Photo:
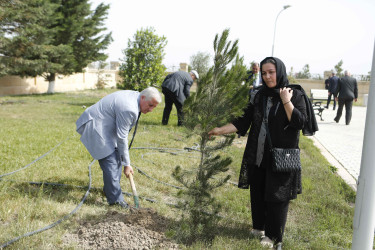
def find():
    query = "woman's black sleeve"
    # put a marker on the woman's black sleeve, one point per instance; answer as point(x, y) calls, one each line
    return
point(299, 114)
point(243, 122)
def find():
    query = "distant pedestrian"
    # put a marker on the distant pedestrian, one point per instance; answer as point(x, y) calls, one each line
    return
point(326, 83)
point(347, 90)
point(176, 88)
point(333, 81)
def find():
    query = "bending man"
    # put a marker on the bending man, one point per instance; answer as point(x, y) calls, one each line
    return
point(176, 88)
point(104, 129)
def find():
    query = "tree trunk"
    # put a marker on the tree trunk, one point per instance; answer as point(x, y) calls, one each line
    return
point(51, 84)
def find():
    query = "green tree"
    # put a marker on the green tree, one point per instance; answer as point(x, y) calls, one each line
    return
point(220, 96)
point(305, 73)
point(338, 68)
point(51, 37)
point(25, 40)
point(200, 62)
point(142, 65)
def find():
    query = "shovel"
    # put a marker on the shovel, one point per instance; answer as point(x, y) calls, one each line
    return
point(135, 195)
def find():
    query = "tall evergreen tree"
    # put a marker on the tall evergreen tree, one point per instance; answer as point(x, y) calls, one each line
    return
point(219, 98)
point(25, 40)
point(142, 65)
point(51, 37)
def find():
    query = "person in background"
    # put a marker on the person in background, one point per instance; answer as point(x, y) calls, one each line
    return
point(326, 83)
point(254, 77)
point(333, 81)
point(176, 88)
point(289, 110)
point(104, 128)
point(346, 92)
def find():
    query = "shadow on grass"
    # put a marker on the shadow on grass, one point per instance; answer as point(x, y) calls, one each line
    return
point(59, 192)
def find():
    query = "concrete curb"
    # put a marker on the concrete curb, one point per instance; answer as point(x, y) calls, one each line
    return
point(341, 171)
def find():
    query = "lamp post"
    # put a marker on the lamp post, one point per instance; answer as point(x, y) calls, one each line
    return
point(274, 31)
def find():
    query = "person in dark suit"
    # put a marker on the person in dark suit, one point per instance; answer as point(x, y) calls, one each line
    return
point(333, 81)
point(347, 90)
point(326, 83)
point(176, 88)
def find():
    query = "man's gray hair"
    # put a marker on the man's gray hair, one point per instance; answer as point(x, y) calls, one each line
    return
point(151, 93)
point(347, 73)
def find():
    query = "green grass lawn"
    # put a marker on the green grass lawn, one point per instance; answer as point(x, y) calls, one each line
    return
point(320, 218)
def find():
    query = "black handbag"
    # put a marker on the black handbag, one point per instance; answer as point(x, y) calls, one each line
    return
point(283, 159)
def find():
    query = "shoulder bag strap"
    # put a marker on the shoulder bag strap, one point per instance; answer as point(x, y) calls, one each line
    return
point(265, 120)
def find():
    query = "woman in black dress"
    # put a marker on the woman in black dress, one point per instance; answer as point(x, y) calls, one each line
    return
point(289, 111)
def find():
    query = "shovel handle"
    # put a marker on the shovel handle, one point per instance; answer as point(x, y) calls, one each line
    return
point(132, 185)
point(135, 195)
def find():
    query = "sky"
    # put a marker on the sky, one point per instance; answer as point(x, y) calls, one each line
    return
point(315, 32)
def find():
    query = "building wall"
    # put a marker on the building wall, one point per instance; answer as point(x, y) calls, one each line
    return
point(14, 85)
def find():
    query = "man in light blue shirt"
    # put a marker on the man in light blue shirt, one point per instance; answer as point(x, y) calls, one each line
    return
point(104, 129)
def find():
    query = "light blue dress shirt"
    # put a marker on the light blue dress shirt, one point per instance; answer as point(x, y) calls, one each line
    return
point(106, 124)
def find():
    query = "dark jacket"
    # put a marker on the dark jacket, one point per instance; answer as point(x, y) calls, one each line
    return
point(333, 81)
point(347, 88)
point(179, 83)
point(326, 83)
point(284, 134)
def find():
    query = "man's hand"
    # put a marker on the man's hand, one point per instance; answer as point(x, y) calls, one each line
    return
point(128, 170)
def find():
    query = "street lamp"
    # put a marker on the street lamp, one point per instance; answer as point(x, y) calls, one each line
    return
point(274, 31)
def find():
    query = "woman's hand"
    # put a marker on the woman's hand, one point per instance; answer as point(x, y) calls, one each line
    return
point(226, 129)
point(286, 94)
point(215, 131)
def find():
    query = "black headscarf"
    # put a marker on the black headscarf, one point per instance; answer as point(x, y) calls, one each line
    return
point(310, 126)
point(281, 77)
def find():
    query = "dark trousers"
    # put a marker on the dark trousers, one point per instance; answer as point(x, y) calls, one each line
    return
point(170, 99)
point(268, 216)
point(112, 170)
point(329, 100)
point(348, 110)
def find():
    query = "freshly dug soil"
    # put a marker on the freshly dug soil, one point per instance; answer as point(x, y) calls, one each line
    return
point(135, 229)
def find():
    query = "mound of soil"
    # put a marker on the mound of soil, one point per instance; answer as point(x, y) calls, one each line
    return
point(138, 229)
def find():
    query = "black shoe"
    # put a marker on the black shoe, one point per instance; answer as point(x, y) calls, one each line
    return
point(326, 107)
point(336, 120)
point(333, 108)
point(122, 204)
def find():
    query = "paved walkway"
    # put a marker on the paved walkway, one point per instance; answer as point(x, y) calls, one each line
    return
point(342, 144)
